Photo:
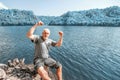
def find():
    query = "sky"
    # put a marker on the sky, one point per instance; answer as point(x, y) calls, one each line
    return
point(57, 7)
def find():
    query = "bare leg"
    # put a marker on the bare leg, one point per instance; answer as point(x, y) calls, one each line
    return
point(43, 73)
point(59, 73)
point(46, 68)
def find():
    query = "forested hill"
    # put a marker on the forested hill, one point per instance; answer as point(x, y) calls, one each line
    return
point(94, 17)
point(16, 17)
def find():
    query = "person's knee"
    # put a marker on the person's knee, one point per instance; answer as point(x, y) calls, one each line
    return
point(40, 69)
point(43, 73)
point(58, 65)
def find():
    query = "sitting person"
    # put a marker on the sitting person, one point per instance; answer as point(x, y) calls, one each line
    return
point(41, 56)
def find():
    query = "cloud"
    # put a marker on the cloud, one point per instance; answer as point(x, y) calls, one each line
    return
point(2, 6)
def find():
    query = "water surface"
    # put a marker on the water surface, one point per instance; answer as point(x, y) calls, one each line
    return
point(88, 53)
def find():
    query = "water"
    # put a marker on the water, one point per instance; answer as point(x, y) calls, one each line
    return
point(88, 53)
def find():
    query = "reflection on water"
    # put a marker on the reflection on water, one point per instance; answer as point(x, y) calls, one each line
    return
point(88, 53)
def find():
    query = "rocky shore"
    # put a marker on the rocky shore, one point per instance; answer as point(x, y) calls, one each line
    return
point(17, 70)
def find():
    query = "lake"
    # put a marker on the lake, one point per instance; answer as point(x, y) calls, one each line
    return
point(87, 53)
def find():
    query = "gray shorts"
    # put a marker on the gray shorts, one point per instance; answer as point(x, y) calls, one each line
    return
point(46, 62)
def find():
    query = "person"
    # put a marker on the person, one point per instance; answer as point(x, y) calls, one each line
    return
point(42, 47)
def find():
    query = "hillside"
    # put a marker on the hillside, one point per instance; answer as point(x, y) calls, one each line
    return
point(16, 17)
point(95, 17)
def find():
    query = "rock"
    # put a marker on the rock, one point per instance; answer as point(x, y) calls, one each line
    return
point(18, 70)
point(9, 70)
point(2, 74)
point(52, 75)
point(10, 64)
point(17, 67)
point(37, 77)
point(3, 66)
point(16, 61)
point(18, 74)
point(22, 61)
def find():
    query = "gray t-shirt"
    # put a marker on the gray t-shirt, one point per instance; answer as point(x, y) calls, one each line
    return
point(42, 47)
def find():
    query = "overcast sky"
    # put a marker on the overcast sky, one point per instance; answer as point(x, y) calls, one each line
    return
point(58, 7)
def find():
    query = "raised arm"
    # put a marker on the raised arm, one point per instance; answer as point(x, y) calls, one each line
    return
point(59, 43)
point(32, 29)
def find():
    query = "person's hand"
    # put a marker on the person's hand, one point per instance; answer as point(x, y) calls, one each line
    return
point(61, 33)
point(40, 23)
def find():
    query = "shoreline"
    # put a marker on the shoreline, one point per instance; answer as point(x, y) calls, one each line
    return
point(17, 70)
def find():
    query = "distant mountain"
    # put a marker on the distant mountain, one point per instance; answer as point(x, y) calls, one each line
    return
point(46, 19)
point(10, 17)
point(2, 6)
point(16, 17)
point(94, 17)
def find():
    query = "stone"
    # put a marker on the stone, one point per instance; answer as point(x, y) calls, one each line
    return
point(18, 70)
point(3, 66)
point(16, 61)
point(2, 74)
point(10, 64)
point(22, 61)
point(9, 70)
